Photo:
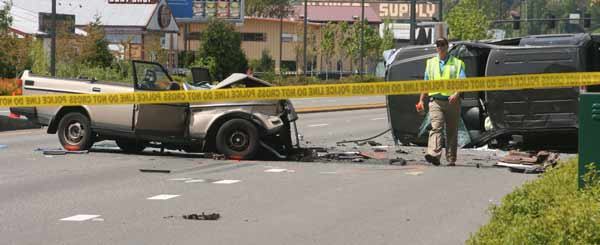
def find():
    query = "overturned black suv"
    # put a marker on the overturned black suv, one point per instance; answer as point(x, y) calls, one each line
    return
point(501, 116)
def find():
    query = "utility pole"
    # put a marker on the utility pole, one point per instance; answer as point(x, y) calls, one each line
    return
point(280, 41)
point(413, 20)
point(305, 33)
point(362, 36)
point(53, 40)
point(441, 14)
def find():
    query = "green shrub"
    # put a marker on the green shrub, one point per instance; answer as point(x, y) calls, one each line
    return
point(118, 72)
point(549, 210)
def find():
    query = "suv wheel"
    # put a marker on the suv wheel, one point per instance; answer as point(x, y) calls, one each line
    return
point(130, 145)
point(237, 139)
point(74, 132)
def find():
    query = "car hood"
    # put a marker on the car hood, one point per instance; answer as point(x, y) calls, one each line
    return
point(242, 79)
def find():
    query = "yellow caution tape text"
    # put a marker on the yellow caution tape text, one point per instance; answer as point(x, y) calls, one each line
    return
point(311, 91)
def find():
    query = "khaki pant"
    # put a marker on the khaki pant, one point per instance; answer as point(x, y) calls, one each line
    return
point(443, 113)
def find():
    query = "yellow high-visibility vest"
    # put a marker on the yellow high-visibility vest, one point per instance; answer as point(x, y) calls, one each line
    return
point(452, 70)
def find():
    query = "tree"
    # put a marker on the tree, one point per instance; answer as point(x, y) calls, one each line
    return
point(221, 42)
point(345, 41)
point(268, 8)
point(264, 64)
point(94, 47)
point(388, 36)
point(5, 17)
point(328, 46)
point(467, 21)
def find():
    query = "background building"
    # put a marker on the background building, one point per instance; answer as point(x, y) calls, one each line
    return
point(135, 29)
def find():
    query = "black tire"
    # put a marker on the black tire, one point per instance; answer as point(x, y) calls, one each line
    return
point(130, 145)
point(237, 139)
point(75, 133)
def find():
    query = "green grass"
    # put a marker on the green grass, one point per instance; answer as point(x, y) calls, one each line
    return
point(548, 210)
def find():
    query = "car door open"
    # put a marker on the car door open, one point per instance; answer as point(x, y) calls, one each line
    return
point(166, 122)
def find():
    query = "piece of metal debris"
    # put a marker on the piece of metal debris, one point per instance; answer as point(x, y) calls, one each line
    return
point(218, 157)
point(163, 171)
point(398, 161)
point(400, 151)
point(382, 148)
point(62, 152)
point(213, 216)
point(530, 162)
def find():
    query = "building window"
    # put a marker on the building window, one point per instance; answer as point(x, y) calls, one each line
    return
point(194, 36)
point(289, 37)
point(288, 65)
point(254, 37)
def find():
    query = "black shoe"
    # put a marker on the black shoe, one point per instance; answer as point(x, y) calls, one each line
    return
point(433, 160)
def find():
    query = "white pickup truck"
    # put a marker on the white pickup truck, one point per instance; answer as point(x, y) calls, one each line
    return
point(235, 129)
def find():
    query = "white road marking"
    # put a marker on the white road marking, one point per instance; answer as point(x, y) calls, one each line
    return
point(318, 125)
point(279, 170)
point(195, 181)
point(180, 179)
point(98, 219)
point(417, 173)
point(81, 217)
point(227, 181)
point(379, 118)
point(162, 197)
point(328, 172)
point(4, 111)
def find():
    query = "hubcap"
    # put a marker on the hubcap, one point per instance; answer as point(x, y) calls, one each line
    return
point(74, 133)
point(238, 140)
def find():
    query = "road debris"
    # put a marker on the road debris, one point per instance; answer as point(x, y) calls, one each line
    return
point(373, 143)
point(529, 162)
point(213, 216)
point(57, 152)
point(400, 151)
point(164, 171)
point(398, 161)
point(3, 147)
point(382, 148)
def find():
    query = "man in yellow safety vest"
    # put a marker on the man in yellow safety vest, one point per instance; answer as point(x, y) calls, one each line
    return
point(444, 106)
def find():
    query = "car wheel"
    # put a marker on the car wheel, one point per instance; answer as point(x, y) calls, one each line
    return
point(237, 139)
point(131, 146)
point(74, 132)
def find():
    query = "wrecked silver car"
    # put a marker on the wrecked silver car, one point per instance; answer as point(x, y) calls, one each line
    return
point(239, 130)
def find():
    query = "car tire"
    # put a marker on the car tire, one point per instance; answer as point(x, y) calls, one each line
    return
point(130, 145)
point(75, 132)
point(237, 139)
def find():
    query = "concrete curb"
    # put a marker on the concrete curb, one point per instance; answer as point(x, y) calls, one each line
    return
point(306, 110)
point(9, 124)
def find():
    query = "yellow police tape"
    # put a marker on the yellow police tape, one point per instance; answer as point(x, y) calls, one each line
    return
point(312, 91)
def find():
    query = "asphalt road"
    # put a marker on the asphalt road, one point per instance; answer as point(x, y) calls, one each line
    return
point(291, 203)
point(337, 101)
